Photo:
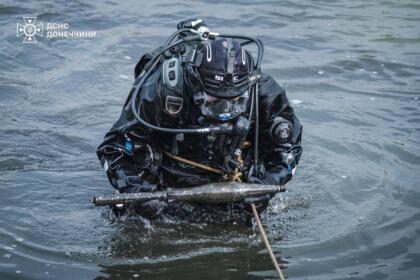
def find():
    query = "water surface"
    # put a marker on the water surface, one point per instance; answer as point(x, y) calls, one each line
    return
point(352, 71)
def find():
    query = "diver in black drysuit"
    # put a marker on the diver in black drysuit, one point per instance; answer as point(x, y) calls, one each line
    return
point(137, 158)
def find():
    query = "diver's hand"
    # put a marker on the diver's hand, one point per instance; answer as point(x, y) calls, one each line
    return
point(150, 208)
point(256, 180)
point(257, 199)
point(261, 199)
point(260, 202)
point(135, 184)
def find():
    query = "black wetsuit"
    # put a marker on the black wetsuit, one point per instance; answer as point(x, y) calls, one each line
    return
point(136, 159)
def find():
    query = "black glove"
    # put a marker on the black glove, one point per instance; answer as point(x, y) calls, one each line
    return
point(150, 208)
point(260, 202)
point(135, 184)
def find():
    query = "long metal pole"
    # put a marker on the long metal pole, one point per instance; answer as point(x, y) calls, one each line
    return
point(266, 243)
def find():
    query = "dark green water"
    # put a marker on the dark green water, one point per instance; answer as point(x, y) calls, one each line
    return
point(352, 71)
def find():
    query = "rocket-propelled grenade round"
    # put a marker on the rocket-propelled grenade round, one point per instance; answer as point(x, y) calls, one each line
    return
point(209, 193)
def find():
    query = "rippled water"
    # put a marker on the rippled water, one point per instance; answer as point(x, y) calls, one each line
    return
point(352, 71)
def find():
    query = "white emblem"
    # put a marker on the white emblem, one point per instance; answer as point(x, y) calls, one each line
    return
point(218, 78)
point(30, 29)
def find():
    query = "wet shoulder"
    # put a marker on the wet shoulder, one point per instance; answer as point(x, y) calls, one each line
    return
point(268, 86)
point(272, 97)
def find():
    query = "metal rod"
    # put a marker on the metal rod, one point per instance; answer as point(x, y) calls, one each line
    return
point(266, 243)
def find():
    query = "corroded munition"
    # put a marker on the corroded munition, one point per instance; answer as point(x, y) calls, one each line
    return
point(210, 193)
